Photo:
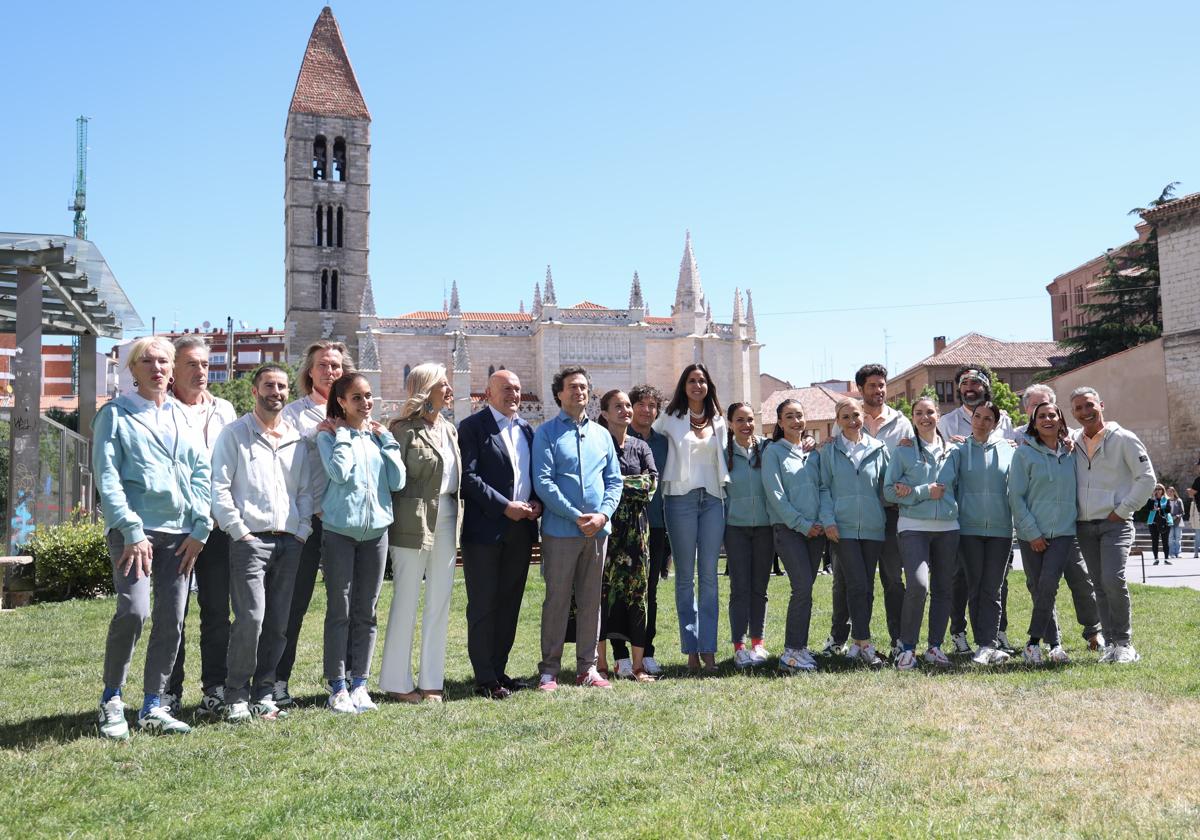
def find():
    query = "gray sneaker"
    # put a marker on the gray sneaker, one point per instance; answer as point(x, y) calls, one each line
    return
point(281, 697)
point(961, 645)
point(833, 648)
point(1125, 655)
point(212, 704)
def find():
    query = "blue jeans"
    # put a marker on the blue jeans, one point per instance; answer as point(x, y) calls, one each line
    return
point(695, 526)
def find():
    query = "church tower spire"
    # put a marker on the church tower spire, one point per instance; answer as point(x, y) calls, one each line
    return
point(551, 298)
point(689, 311)
point(455, 308)
point(326, 197)
point(537, 302)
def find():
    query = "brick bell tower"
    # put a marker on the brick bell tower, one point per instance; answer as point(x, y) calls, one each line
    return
point(327, 198)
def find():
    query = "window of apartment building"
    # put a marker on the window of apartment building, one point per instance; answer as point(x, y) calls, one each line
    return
point(215, 359)
point(1079, 295)
point(221, 375)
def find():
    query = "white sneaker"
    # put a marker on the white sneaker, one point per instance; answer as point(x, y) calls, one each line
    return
point(1058, 655)
point(906, 661)
point(760, 654)
point(361, 699)
point(961, 645)
point(650, 666)
point(341, 703)
point(935, 656)
point(832, 648)
point(865, 654)
point(1033, 655)
point(238, 712)
point(280, 695)
point(1110, 650)
point(1002, 642)
point(742, 658)
point(1125, 655)
point(266, 709)
point(111, 720)
point(625, 668)
point(988, 655)
point(158, 721)
point(792, 660)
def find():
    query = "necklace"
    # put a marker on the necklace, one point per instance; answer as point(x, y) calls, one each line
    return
point(703, 422)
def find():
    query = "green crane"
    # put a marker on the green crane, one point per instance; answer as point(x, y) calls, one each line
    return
point(80, 203)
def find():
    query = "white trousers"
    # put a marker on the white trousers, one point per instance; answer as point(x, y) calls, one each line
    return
point(409, 566)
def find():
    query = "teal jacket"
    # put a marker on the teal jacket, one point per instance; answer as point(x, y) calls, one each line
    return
point(919, 468)
point(980, 476)
point(745, 497)
point(852, 499)
point(364, 469)
point(143, 484)
point(1041, 491)
point(792, 480)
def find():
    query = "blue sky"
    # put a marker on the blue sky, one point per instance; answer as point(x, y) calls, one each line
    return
point(862, 168)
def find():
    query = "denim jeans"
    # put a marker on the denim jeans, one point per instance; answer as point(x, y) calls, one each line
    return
point(1175, 543)
point(695, 526)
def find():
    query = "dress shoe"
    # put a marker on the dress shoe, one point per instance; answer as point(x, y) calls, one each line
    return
point(495, 691)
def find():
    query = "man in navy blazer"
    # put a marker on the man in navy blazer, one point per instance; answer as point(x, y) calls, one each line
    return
point(499, 529)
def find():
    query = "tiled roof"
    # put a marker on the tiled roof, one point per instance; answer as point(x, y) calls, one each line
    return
point(587, 304)
point(326, 84)
point(816, 401)
point(985, 350)
point(439, 315)
point(651, 319)
point(1164, 211)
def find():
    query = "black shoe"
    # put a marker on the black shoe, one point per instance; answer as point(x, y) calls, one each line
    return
point(495, 691)
point(513, 685)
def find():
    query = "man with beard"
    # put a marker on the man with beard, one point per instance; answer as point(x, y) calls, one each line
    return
point(262, 498)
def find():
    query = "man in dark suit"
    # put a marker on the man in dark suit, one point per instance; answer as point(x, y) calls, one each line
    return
point(499, 529)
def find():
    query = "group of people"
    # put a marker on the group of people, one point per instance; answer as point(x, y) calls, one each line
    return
point(253, 506)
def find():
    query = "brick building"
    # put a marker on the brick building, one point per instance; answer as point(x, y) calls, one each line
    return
point(1070, 290)
point(251, 348)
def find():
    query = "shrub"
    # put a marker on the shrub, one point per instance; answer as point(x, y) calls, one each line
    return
point(70, 560)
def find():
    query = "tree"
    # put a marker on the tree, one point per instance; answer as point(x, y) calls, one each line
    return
point(902, 404)
point(1124, 310)
point(1006, 400)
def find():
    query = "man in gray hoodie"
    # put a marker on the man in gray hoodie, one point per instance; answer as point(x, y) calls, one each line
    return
point(1115, 478)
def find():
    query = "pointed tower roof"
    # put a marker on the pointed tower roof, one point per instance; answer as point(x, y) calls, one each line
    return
point(521, 307)
point(326, 84)
point(737, 306)
point(749, 314)
point(708, 321)
point(636, 301)
point(461, 358)
point(367, 305)
point(455, 309)
point(537, 300)
point(551, 298)
point(689, 295)
point(368, 352)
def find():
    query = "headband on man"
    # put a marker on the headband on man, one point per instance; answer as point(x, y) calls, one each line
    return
point(975, 374)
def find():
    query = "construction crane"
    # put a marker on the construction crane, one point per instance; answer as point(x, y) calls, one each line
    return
point(79, 206)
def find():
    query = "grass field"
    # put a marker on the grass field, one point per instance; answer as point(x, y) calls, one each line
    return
point(1082, 750)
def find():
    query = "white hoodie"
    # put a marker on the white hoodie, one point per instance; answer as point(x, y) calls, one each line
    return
point(260, 487)
point(1118, 478)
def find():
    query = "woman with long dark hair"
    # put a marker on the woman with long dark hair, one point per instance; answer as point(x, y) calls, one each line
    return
point(364, 466)
point(693, 491)
point(1158, 520)
point(792, 480)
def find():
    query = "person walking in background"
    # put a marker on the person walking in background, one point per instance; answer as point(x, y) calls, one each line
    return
point(749, 542)
point(207, 416)
point(262, 499)
point(1175, 542)
point(364, 466)
point(423, 537)
point(499, 529)
point(792, 481)
point(324, 363)
point(627, 558)
point(1114, 476)
point(1042, 495)
point(852, 474)
point(154, 483)
point(577, 476)
point(647, 402)
point(920, 480)
point(1159, 520)
point(694, 487)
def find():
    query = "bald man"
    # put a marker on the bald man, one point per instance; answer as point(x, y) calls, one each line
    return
point(500, 516)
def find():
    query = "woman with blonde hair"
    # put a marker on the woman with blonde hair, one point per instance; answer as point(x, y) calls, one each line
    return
point(423, 537)
point(153, 477)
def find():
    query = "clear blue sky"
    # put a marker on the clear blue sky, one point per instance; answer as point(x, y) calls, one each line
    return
point(884, 160)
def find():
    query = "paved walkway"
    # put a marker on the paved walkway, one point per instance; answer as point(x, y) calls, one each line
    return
point(1183, 571)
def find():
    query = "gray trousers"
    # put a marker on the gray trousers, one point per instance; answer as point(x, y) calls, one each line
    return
point(890, 568)
point(858, 559)
point(1105, 548)
point(353, 577)
point(1043, 571)
point(571, 565)
point(801, 558)
point(930, 560)
point(751, 553)
point(133, 608)
point(985, 564)
point(262, 571)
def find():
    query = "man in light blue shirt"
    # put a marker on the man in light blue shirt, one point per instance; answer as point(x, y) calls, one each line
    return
point(577, 476)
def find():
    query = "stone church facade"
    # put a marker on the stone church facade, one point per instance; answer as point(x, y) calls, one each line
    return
point(329, 295)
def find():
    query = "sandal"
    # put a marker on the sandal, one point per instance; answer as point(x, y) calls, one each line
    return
point(640, 675)
point(431, 695)
point(412, 697)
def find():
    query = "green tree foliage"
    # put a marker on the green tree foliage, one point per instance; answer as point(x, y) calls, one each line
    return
point(1006, 400)
point(70, 560)
point(1125, 309)
point(902, 404)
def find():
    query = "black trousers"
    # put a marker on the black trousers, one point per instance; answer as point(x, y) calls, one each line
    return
point(212, 594)
point(660, 550)
point(1158, 536)
point(495, 575)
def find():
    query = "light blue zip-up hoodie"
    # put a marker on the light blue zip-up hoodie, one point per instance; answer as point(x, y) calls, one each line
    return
point(918, 467)
point(980, 475)
point(852, 498)
point(792, 481)
point(143, 485)
point(364, 469)
point(1041, 491)
point(745, 496)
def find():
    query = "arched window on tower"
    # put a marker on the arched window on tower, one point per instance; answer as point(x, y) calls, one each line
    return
point(339, 227)
point(339, 159)
point(329, 226)
point(407, 371)
point(329, 289)
point(325, 288)
point(319, 158)
point(320, 227)
point(333, 289)
point(491, 369)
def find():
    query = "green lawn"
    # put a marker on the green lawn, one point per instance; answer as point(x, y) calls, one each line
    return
point(1083, 750)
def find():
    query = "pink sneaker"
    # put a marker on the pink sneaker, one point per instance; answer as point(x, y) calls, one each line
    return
point(547, 683)
point(592, 679)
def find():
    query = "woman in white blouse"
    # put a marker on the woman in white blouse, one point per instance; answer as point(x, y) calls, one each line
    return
point(693, 493)
point(423, 538)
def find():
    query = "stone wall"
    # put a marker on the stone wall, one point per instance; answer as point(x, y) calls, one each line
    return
point(1179, 266)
